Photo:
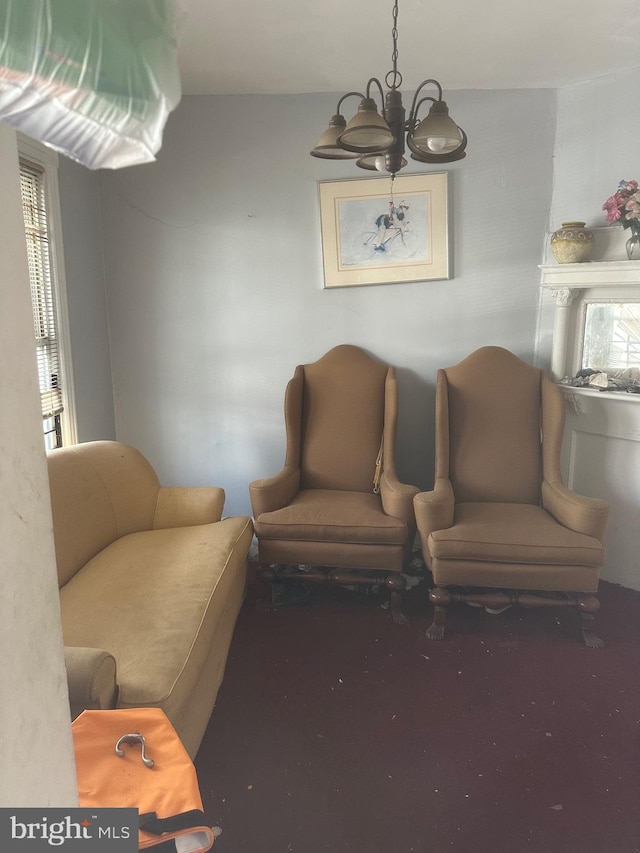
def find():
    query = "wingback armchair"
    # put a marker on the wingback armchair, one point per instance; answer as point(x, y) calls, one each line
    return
point(337, 505)
point(500, 527)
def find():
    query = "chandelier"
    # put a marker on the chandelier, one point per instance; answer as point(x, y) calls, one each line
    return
point(376, 140)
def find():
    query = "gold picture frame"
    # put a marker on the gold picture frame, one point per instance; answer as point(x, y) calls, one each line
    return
point(378, 232)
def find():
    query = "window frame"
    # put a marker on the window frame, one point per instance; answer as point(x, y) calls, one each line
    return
point(47, 160)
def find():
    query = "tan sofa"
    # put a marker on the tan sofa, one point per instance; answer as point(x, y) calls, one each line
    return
point(151, 581)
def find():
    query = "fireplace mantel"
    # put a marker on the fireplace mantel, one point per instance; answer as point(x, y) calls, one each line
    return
point(601, 444)
point(572, 286)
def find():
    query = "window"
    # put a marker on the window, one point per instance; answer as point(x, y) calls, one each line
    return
point(40, 208)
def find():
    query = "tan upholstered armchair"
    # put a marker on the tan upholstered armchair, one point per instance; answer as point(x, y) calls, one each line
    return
point(500, 527)
point(337, 504)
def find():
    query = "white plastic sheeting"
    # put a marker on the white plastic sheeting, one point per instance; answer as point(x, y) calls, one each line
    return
point(93, 79)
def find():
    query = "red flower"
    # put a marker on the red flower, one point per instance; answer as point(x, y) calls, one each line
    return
point(624, 205)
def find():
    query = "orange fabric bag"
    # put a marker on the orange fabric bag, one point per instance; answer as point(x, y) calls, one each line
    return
point(133, 758)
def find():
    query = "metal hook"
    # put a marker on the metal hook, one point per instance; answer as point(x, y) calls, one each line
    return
point(132, 739)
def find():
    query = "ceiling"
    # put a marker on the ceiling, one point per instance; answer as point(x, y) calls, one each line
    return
point(297, 46)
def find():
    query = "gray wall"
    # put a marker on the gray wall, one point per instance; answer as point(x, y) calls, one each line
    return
point(214, 274)
point(86, 298)
point(214, 278)
point(595, 146)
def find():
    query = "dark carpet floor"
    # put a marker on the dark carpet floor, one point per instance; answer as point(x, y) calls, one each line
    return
point(338, 730)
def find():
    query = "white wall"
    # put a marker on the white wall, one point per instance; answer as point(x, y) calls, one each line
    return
point(214, 278)
point(36, 751)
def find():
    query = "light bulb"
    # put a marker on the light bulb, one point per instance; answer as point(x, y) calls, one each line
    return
point(436, 143)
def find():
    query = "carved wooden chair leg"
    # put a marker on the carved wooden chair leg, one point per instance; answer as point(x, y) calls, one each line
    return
point(436, 630)
point(397, 584)
point(590, 639)
point(396, 608)
point(439, 598)
point(588, 606)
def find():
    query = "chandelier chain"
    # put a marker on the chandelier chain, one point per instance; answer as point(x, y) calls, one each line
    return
point(394, 77)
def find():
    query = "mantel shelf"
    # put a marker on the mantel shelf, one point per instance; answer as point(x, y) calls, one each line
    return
point(585, 391)
point(591, 274)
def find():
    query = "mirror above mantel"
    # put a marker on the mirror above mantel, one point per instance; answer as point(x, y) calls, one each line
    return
point(597, 316)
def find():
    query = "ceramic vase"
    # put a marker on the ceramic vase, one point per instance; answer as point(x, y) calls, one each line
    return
point(572, 243)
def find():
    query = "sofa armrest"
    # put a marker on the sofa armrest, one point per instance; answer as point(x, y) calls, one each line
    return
point(274, 492)
point(434, 511)
point(184, 506)
point(91, 676)
point(577, 512)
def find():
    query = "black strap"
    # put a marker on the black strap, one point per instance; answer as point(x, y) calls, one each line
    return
point(150, 822)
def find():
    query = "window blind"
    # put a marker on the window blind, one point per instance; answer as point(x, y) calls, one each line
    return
point(34, 209)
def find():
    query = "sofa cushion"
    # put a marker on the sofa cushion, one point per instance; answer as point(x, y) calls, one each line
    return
point(325, 515)
point(153, 599)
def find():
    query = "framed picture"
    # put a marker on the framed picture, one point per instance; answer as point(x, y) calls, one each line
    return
point(371, 235)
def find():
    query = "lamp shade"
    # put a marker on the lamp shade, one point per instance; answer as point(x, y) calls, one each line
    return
point(327, 146)
point(367, 132)
point(437, 133)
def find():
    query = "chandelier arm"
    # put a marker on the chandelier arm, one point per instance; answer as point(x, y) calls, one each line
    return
point(380, 89)
point(413, 115)
point(348, 95)
point(413, 111)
